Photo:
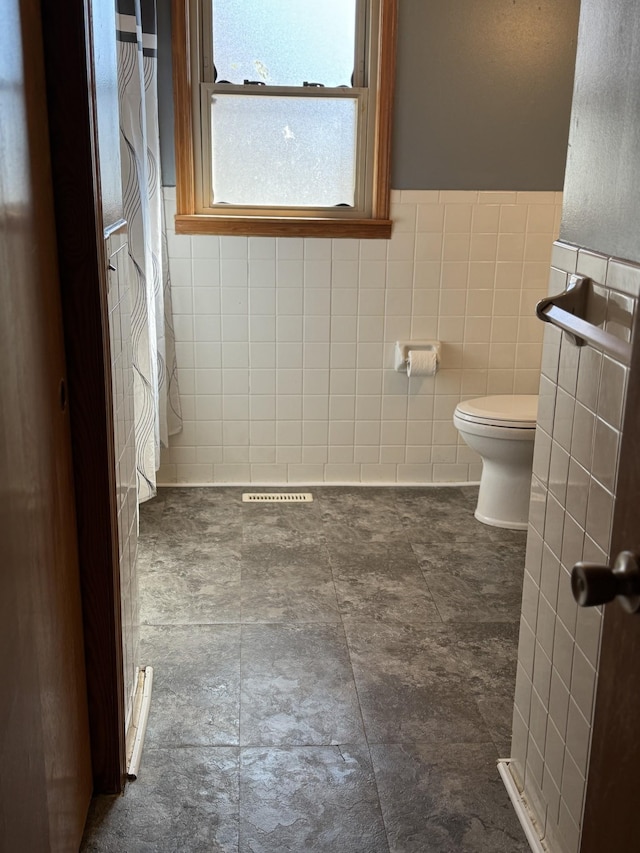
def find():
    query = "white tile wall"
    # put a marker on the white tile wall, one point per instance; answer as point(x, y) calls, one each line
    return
point(285, 346)
point(573, 490)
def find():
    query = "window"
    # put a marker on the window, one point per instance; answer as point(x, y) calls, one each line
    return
point(283, 116)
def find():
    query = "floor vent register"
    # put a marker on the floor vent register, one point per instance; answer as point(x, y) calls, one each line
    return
point(277, 497)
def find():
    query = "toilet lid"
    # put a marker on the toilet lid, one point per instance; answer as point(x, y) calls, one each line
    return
point(512, 410)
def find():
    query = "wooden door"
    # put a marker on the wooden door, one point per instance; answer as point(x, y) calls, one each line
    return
point(45, 772)
point(81, 97)
point(613, 784)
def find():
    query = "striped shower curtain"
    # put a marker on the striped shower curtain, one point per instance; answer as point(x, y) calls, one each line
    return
point(156, 398)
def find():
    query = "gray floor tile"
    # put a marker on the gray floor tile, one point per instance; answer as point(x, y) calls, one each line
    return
point(196, 684)
point(309, 799)
point(376, 582)
point(445, 799)
point(184, 801)
point(206, 516)
point(474, 581)
point(194, 584)
point(199, 496)
point(439, 515)
point(488, 651)
point(498, 716)
point(410, 685)
point(360, 515)
point(297, 687)
point(281, 524)
point(287, 583)
point(150, 514)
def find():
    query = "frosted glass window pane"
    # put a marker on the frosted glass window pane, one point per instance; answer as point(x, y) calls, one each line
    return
point(284, 42)
point(280, 151)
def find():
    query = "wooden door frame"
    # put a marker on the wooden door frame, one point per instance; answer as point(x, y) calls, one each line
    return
point(84, 287)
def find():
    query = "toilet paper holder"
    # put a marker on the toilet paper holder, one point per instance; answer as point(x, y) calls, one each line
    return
point(401, 355)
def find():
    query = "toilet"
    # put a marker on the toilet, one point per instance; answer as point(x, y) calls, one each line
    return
point(501, 429)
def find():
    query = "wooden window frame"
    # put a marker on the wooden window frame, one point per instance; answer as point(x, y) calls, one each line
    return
point(189, 221)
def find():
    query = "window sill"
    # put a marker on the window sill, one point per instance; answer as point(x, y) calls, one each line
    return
point(254, 226)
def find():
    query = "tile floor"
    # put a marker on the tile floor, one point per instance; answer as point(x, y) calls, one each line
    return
point(333, 676)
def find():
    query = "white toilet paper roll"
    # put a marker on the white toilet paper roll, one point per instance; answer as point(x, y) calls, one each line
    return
point(422, 362)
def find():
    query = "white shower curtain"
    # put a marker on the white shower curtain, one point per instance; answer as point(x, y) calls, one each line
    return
point(156, 399)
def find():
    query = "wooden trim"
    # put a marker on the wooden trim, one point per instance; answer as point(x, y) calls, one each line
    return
point(83, 284)
point(189, 222)
point(258, 226)
point(384, 107)
point(182, 107)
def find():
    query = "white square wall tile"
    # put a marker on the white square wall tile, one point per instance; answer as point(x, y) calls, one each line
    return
point(458, 196)
point(232, 473)
point(180, 272)
point(372, 274)
point(345, 301)
point(289, 300)
point(414, 196)
point(572, 787)
point(305, 473)
point(289, 273)
point(428, 246)
point(318, 248)
point(262, 273)
point(205, 246)
point(344, 273)
point(342, 473)
point(485, 218)
point(234, 248)
point(578, 738)
point(430, 217)
point(290, 248)
point(262, 248)
point(194, 473)
point(378, 473)
point(457, 218)
point(234, 273)
point(178, 245)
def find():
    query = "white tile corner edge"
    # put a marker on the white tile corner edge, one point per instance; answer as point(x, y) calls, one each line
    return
point(527, 821)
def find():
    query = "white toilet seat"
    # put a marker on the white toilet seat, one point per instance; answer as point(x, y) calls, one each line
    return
point(513, 411)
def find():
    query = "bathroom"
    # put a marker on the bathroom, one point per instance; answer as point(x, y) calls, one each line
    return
point(285, 345)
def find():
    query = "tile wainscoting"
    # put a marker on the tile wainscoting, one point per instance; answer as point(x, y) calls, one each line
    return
point(285, 346)
point(582, 396)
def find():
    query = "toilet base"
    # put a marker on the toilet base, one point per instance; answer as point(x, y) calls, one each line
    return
point(505, 489)
point(496, 522)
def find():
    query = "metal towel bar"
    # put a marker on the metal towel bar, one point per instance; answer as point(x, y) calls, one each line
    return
point(566, 310)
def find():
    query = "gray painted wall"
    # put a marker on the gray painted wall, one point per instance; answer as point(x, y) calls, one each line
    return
point(602, 194)
point(483, 93)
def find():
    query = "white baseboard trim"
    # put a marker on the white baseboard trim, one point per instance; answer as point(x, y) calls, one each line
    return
point(310, 485)
point(138, 726)
point(525, 817)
